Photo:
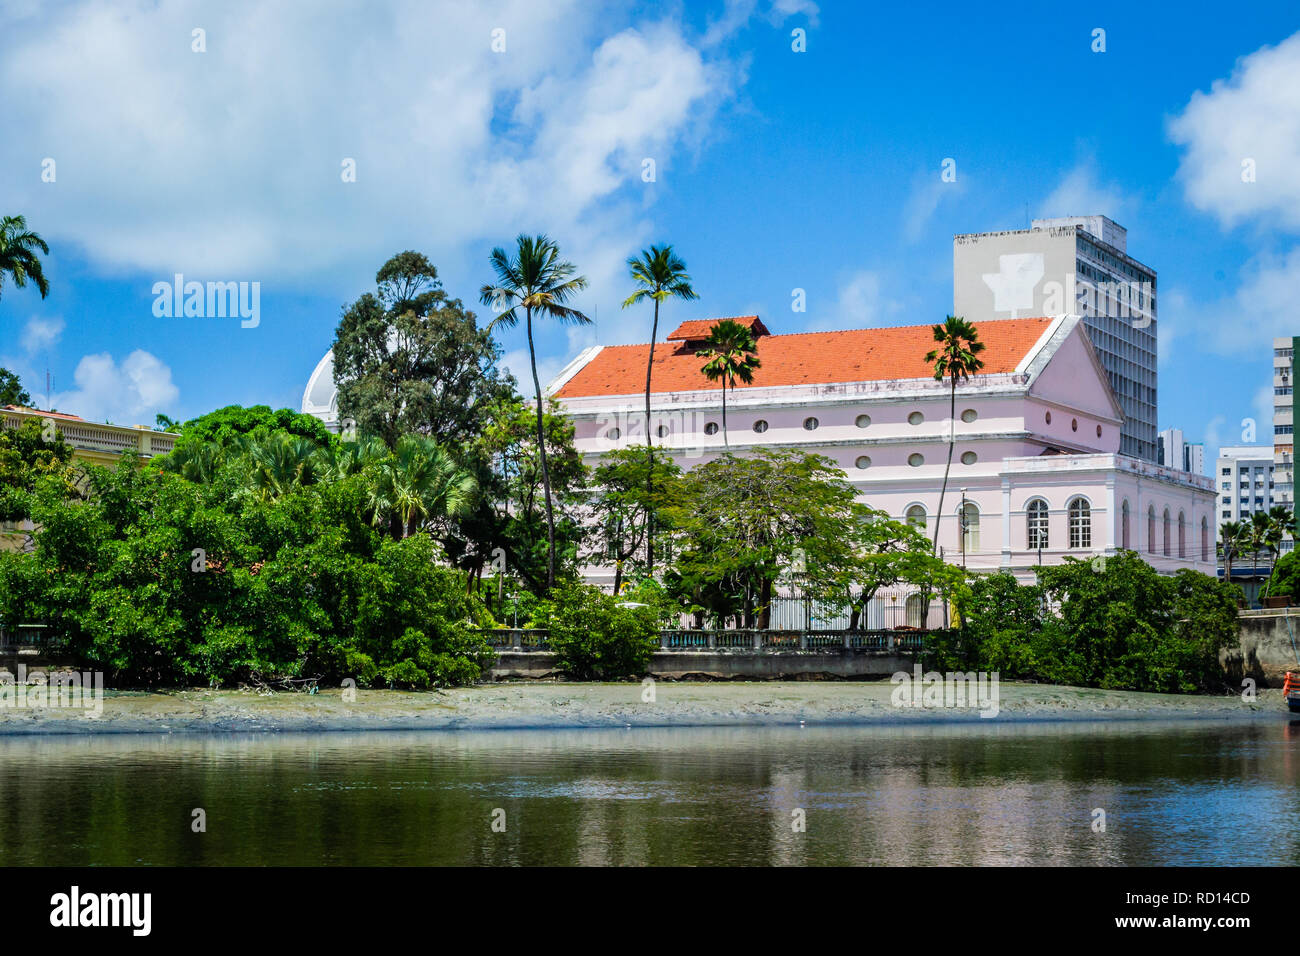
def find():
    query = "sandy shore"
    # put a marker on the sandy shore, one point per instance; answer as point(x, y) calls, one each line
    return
point(561, 705)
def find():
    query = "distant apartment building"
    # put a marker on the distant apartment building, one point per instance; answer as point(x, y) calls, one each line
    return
point(1176, 452)
point(92, 442)
point(1243, 480)
point(1077, 265)
point(1283, 426)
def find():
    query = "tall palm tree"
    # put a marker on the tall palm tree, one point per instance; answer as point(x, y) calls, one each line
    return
point(419, 482)
point(536, 280)
point(1280, 522)
point(279, 462)
point(1231, 537)
point(18, 247)
point(732, 354)
point(956, 357)
point(661, 275)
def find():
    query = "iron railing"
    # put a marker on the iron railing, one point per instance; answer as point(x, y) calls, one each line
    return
point(740, 639)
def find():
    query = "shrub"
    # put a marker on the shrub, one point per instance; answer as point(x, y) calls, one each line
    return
point(596, 639)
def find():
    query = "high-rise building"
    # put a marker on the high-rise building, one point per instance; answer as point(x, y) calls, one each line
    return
point(1283, 425)
point(1175, 452)
point(1243, 481)
point(1074, 265)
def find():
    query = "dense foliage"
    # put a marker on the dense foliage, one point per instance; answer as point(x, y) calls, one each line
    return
point(595, 637)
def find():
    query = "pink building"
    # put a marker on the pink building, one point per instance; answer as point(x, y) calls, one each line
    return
point(1036, 461)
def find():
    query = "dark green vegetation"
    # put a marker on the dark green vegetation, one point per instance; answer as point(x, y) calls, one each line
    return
point(265, 549)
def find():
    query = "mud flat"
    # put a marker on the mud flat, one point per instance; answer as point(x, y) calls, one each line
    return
point(572, 705)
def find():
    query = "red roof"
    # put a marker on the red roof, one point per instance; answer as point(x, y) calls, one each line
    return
point(810, 358)
point(697, 329)
point(37, 411)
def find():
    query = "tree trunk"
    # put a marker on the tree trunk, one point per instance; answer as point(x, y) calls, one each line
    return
point(725, 442)
point(650, 453)
point(541, 449)
point(952, 440)
point(765, 605)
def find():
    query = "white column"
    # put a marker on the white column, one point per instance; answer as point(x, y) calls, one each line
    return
point(1110, 514)
point(1006, 522)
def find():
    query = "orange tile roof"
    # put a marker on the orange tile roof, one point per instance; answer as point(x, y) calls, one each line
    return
point(809, 358)
point(37, 411)
point(699, 328)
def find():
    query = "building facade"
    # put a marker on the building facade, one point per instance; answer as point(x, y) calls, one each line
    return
point(1077, 266)
point(1244, 481)
point(1037, 469)
point(1284, 426)
point(92, 442)
point(1176, 452)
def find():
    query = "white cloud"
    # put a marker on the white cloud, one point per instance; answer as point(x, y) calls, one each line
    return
point(129, 393)
point(1252, 115)
point(861, 304)
point(226, 164)
point(1080, 193)
point(1243, 323)
point(928, 191)
point(41, 333)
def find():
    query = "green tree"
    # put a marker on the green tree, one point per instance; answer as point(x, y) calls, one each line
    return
point(660, 275)
point(409, 359)
point(956, 358)
point(1232, 537)
point(1280, 523)
point(731, 353)
point(419, 482)
point(18, 255)
point(535, 280)
point(12, 391)
point(633, 491)
point(594, 638)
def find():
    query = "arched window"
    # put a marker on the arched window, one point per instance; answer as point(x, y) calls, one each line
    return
point(915, 611)
point(916, 516)
point(1151, 529)
point(970, 540)
point(1036, 523)
point(1123, 524)
point(1080, 523)
point(1205, 539)
point(1182, 535)
point(1165, 540)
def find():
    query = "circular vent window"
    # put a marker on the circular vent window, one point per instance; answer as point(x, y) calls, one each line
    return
point(1049, 418)
point(969, 415)
point(863, 461)
point(862, 421)
point(916, 460)
point(711, 428)
point(1074, 424)
point(969, 458)
point(915, 418)
point(760, 426)
point(663, 431)
point(612, 434)
point(810, 423)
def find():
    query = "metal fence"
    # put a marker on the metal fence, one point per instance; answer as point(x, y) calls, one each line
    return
point(743, 639)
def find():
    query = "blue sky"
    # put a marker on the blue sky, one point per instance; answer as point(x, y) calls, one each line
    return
point(774, 170)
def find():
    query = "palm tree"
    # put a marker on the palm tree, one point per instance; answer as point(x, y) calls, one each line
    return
point(1280, 521)
point(732, 353)
point(279, 462)
point(419, 482)
point(1231, 536)
point(18, 254)
point(660, 275)
point(535, 280)
point(959, 345)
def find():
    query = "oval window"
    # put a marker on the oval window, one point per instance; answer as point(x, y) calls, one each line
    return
point(612, 434)
point(1098, 431)
point(915, 418)
point(969, 458)
point(810, 423)
point(663, 431)
point(1074, 424)
point(711, 428)
point(760, 426)
point(863, 461)
point(1049, 418)
point(862, 421)
point(916, 460)
point(969, 415)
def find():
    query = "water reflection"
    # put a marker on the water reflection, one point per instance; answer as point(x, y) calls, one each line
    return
point(1191, 793)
